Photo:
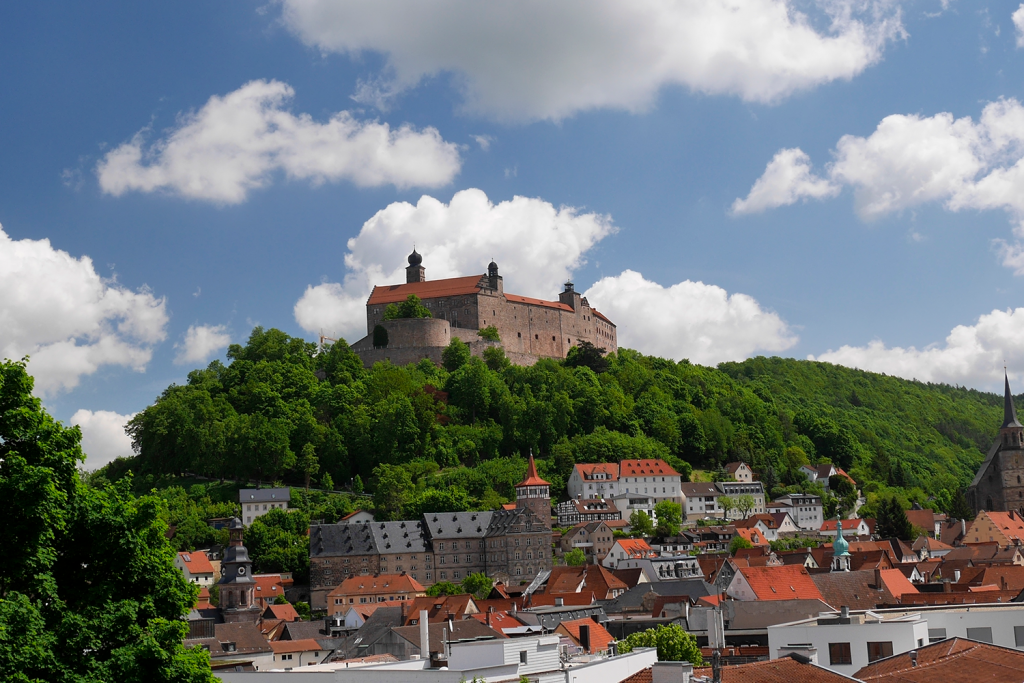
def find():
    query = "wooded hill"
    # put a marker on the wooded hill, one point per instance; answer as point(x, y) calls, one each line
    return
point(455, 437)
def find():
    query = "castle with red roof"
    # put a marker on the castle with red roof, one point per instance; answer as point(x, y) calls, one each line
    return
point(461, 306)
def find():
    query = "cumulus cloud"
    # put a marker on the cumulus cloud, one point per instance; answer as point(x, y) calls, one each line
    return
point(548, 60)
point(787, 179)
point(536, 245)
point(57, 309)
point(201, 343)
point(236, 143)
point(693, 320)
point(971, 355)
point(103, 437)
point(911, 160)
point(1018, 23)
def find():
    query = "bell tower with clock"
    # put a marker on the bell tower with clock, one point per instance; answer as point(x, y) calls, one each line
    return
point(236, 586)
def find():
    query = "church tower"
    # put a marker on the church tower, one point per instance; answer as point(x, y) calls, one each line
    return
point(535, 493)
point(840, 550)
point(999, 484)
point(236, 586)
point(415, 272)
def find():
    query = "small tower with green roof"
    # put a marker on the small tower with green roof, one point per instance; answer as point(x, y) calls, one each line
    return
point(840, 550)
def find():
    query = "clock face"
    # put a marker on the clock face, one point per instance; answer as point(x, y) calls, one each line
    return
point(241, 571)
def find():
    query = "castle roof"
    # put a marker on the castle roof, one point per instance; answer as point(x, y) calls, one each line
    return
point(532, 478)
point(430, 289)
point(1009, 410)
point(516, 299)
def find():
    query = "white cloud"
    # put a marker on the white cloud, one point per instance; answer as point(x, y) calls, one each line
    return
point(200, 343)
point(1018, 23)
point(536, 245)
point(484, 141)
point(972, 355)
point(57, 309)
point(911, 160)
point(703, 323)
point(237, 142)
point(103, 437)
point(787, 179)
point(548, 60)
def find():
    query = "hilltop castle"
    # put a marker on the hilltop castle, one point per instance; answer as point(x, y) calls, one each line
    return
point(461, 306)
point(998, 486)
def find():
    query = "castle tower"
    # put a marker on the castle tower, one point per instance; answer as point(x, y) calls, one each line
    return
point(840, 550)
point(415, 272)
point(570, 297)
point(237, 587)
point(493, 279)
point(534, 493)
point(999, 484)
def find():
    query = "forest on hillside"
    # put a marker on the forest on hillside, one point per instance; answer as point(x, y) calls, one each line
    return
point(424, 438)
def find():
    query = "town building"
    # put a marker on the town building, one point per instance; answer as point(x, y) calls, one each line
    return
point(196, 567)
point(595, 539)
point(1002, 528)
point(235, 646)
point(509, 545)
point(740, 471)
point(572, 512)
point(700, 500)
point(236, 586)
point(625, 550)
point(362, 590)
point(735, 489)
point(999, 483)
point(528, 328)
point(289, 654)
point(258, 502)
point(805, 509)
point(654, 478)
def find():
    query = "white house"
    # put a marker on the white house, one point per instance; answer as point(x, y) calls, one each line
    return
point(740, 471)
point(734, 489)
point(292, 654)
point(593, 480)
point(628, 503)
point(654, 478)
point(845, 644)
point(625, 549)
point(805, 509)
point(258, 502)
point(357, 517)
point(196, 567)
point(851, 527)
point(700, 500)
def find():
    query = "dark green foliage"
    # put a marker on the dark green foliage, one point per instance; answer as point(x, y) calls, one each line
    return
point(444, 588)
point(669, 516)
point(490, 333)
point(737, 543)
point(586, 355)
point(494, 357)
point(278, 542)
point(892, 522)
point(305, 613)
point(640, 524)
point(478, 585)
point(88, 587)
point(412, 307)
point(673, 642)
point(455, 355)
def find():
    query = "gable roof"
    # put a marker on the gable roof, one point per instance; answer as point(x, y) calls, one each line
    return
point(1010, 524)
point(859, 590)
point(640, 468)
point(456, 525)
point(530, 301)
point(429, 289)
point(331, 540)
point(246, 637)
point(302, 645)
point(281, 495)
point(636, 548)
point(379, 583)
point(399, 537)
point(1004, 577)
point(440, 607)
point(197, 562)
point(732, 467)
point(752, 535)
point(782, 670)
point(590, 577)
point(599, 636)
point(463, 630)
point(268, 586)
point(586, 471)
point(699, 488)
point(833, 524)
point(787, 582)
point(948, 661)
point(283, 612)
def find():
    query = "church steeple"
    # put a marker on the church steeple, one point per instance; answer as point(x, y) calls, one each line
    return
point(1009, 409)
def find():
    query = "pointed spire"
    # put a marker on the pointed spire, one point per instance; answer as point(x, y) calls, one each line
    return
point(1009, 410)
point(532, 478)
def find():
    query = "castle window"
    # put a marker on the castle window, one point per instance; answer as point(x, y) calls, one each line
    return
point(536, 336)
point(552, 337)
point(519, 334)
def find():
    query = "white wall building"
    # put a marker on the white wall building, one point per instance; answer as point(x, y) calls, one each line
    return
point(654, 478)
point(700, 500)
point(845, 645)
point(806, 510)
point(734, 489)
point(258, 502)
point(196, 567)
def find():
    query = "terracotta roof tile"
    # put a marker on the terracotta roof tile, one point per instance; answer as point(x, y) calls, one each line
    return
point(380, 583)
point(949, 661)
point(788, 582)
point(591, 577)
point(516, 299)
point(599, 636)
point(304, 645)
point(532, 479)
point(639, 468)
point(782, 670)
point(455, 286)
point(601, 315)
point(197, 562)
point(587, 470)
point(283, 612)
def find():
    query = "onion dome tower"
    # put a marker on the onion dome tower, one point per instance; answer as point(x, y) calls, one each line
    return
point(840, 550)
point(236, 586)
point(415, 272)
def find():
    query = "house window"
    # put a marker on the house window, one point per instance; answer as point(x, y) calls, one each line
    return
point(839, 653)
point(522, 657)
point(879, 650)
point(982, 633)
point(1018, 635)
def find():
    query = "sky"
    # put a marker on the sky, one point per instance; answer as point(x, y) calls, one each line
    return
point(840, 180)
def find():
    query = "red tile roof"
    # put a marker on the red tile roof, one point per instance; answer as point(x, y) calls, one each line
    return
point(378, 584)
point(455, 286)
point(752, 535)
point(516, 299)
point(639, 468)
point(283, 612)
point(440, 607)
point(601, 315)
point(303, 645)
point(587, 470)
point(532, 479)
point(498, 620)
point(783, 670)
point(788, 582)
point(197, 562)
point(268, 586)
point(575, 599)
point(1007, 577)
point(591, 577)
point(848, 524)
point(635, 548)
point(599, 636)
point(949, 661)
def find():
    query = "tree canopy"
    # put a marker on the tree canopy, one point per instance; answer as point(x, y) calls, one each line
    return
point(412, 307)
point(673, 642)
point(88, 590)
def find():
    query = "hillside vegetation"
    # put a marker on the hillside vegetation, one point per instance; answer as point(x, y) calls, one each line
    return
point(424, 438)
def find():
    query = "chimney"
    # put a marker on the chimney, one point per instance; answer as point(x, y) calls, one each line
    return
point(913, 657)
point(844, 612)
point(585, 637)
point(424, 635)
point(878, 579)
point(559, 602)
point(489, 617)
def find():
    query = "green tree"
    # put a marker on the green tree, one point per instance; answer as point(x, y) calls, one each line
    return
point(308, 463)
point(892, 521)
point(490, 333)
point(495, 359)
point(455, 355)
point(392, 491)
point(278, 542)
point(303, 609)
point(640, 524)
point(444, 588)
point(674, 644)
point(575, 558)
point(728, 504)
point(478, 585)
point(669, 516)
point(959, 507)
point(744, 504)
point(737, 543)
point(357, 484)
point(412, 307)
point(91, 594)
point(326, 482)
point(586, 355)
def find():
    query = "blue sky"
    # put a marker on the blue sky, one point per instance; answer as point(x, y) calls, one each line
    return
point(723, 178)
